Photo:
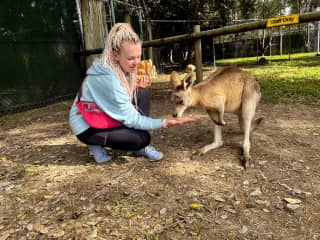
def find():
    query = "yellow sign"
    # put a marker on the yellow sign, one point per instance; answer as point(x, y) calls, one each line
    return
point(284, 20)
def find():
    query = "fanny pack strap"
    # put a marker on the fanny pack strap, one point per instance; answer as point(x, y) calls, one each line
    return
point(79, 94)
point(88, 106)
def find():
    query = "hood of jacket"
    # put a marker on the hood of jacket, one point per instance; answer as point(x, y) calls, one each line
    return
point(97, 68)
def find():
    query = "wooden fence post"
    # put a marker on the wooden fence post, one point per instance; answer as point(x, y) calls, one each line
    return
point(197, 48)
point(94, 26)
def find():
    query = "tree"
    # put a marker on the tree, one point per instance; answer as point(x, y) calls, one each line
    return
point(146, 14)
point(247, 9)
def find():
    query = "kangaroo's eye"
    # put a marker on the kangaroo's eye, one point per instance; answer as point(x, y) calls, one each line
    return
point(177, 100)
point(180, 102)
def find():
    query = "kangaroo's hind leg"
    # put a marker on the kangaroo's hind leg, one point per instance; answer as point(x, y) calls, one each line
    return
point(245, 118)
point(221, 104)
point(217, 135)
point(254, 124)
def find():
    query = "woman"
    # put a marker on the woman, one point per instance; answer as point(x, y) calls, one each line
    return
point(112, 84)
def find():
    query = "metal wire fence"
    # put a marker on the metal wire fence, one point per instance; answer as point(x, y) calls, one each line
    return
point(283, 40)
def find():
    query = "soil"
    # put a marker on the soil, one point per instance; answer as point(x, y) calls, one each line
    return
point(50, 187)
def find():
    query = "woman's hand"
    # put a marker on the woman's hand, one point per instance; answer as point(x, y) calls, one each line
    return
point(143, 81)
point(176, 121)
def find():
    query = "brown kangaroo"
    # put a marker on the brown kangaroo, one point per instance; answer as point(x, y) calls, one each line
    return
point(230, 90)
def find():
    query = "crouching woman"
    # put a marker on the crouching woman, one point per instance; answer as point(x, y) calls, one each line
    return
point(112, 88)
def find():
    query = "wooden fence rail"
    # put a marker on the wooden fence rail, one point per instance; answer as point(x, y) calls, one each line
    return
point(261, 24)
point(244, 27)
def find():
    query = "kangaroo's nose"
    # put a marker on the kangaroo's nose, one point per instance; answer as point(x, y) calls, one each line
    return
point(174, 115)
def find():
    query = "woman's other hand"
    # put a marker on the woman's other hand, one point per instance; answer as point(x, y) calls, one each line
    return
point(143, 81)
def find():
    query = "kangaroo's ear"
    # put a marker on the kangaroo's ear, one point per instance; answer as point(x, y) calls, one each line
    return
point(188, 81)
point(174, 79)
point(190, 68)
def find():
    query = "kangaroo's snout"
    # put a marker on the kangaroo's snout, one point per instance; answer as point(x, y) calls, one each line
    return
point(174, 115)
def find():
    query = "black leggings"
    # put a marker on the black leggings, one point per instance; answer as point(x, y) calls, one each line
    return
point(122, 138)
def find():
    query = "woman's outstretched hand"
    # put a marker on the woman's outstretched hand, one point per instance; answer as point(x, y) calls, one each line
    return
point(176, 121)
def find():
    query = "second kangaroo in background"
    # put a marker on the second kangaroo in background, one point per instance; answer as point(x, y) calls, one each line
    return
point(228, 89)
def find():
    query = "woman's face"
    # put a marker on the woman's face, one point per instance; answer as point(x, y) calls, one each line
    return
point(129, 56)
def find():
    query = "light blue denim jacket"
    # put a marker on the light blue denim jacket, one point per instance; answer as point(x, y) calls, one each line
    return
point(103, 87)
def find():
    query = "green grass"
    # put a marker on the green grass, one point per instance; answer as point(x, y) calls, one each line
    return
point(285, 81)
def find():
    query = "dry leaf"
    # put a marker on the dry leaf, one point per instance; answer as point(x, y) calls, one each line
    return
point(292, 200)
point(197, 229)
point(31, 169)
point(6, 234)
point(219, 199)
point(243, 230)
point(196, 206)
point(57, 233)
point(48, 196)
point(163, 211)
point(292, 206)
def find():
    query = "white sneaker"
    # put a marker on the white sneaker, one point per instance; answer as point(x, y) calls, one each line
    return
point(150, 152)
point(100, 154)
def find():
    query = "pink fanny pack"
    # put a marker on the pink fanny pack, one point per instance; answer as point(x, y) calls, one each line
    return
point(94, 116)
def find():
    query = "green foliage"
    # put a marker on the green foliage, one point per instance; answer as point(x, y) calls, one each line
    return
point(285, 81)
point(247, 9)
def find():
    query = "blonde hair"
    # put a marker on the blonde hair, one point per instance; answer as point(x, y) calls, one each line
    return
point(118, 34)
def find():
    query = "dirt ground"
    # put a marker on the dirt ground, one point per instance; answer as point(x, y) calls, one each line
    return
point(50, 187)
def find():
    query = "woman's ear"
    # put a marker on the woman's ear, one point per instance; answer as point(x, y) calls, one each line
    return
point(115, 55)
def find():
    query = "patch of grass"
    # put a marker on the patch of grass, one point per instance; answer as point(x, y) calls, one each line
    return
point(275, 58)
point(285, 81)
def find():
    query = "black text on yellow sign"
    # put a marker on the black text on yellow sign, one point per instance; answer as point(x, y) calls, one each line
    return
point(284, 20)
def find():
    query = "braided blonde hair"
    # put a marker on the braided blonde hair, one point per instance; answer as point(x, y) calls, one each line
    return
point(119, 33)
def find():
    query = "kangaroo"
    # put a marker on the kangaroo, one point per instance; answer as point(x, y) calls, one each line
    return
point(230, 90)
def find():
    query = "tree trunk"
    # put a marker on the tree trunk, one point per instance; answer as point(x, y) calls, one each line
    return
point(94, 26)
point(127, 17)
point(149, 26)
